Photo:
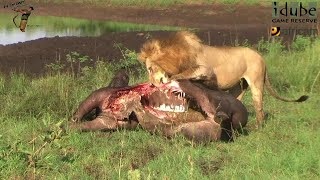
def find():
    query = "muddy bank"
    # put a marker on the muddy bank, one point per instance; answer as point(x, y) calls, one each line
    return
point(217, 25)
point(31, 57)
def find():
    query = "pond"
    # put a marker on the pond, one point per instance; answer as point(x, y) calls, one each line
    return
point(48, 26)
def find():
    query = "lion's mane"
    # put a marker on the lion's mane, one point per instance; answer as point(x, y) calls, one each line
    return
point(173, 54)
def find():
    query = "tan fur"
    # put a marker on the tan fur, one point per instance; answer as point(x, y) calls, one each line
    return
point(183, 56)
point(180, 50)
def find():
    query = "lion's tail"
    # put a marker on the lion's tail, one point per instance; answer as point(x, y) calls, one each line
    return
point(274, 93)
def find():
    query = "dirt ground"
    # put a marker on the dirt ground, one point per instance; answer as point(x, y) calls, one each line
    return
point(217, 24)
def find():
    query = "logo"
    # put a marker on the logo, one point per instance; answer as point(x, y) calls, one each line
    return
point(296, 15)
point(275, 31)
point(14, 4)
point(299, 31)
point(294, 12)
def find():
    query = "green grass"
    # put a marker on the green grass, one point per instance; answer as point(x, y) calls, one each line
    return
point(286, 148)
point(86, 27)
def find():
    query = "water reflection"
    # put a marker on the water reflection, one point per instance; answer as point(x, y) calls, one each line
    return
point(15, 35)
point(40, 27)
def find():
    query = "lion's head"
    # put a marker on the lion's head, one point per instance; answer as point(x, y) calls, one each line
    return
point(157, 75)
point(170, 56)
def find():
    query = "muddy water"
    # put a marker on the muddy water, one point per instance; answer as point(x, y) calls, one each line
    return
point(48, 26)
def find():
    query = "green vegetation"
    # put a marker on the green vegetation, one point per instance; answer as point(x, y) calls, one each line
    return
point(80, 27)
point(33, 145)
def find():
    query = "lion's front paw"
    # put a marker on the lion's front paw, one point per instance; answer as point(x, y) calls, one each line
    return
point(176, 77)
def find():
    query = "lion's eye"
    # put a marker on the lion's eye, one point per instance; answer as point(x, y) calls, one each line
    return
point(150, 70)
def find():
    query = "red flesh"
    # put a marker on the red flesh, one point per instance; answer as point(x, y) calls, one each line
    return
point(118, 99)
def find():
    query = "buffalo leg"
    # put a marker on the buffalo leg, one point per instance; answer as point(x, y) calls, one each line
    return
point(102, 123)
point(202, 131)
point(99, 123)
point(201, 98)
point(91, 102)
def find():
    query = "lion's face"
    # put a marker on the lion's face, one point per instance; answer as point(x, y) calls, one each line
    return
point(157, 75)
point(168, 57)
point(149, 52)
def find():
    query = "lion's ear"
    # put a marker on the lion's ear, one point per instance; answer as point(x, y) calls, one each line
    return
point(156, 46)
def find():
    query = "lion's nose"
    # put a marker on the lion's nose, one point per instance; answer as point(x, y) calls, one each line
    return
point(161, 80)
point(152, 85)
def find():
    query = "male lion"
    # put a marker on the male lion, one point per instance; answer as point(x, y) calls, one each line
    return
point(183, 56)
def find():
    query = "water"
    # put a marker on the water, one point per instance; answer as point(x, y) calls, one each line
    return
point(48, 26)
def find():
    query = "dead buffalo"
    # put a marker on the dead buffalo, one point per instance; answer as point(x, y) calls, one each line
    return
point(179, 107)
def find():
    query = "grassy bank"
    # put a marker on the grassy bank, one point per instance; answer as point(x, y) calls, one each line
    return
point(86, 27)
point(33, 146)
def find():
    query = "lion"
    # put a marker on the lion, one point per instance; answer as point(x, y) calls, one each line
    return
point(183, 56)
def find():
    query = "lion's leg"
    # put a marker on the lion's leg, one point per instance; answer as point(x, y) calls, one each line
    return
point(192, 73)
point(188, 74)
point(257, 96)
